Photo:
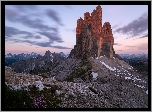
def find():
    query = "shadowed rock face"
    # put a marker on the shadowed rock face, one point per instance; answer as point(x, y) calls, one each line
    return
point(91, 38)
point(40, 63)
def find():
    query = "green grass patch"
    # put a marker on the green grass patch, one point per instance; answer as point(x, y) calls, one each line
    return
point(16, 99)
point(43, 71)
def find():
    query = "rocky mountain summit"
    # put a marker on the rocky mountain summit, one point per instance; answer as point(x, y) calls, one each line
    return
point(93, 39)
point(38, 64)
point(10, 58)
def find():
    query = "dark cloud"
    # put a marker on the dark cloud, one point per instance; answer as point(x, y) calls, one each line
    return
point(114, 26)
point(43, 44)
point(14, 40)
point(117, 44)
point(20, 41)
point(50, 32)
point(136, 27)
point(119, 50)
point(146, 35)
point(53, 15)
point(37, 14)
point(52, 37)
point(26, 7)
point(10, 13)
point(131, 46)
point(37, 23)
point(29, 41)
point(143, 47)
point(61, 47)
point(40, 44)
point(37, 37)
point(10, 31)
point(47, 44)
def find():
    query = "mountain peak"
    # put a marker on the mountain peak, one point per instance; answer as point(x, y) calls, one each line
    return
point(93, 39)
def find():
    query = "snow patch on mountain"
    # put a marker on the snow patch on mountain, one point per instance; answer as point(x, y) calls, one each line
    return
point(39, 85)
point(147, 91)
point(127, 77)
point(52, 59)
point(94, 74)
point(112, 69)
point(63, 55)
point(119, 68)
point(51, 55)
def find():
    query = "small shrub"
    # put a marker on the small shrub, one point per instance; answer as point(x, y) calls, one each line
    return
point(43, 71)
point(96, 106)
point(16, 98)
point(32, 98)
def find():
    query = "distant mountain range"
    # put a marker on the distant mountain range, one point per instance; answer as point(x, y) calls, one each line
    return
point(139, 61)
point(34, 63)
point(22, 55)
point(134, 56)
point(12, 58)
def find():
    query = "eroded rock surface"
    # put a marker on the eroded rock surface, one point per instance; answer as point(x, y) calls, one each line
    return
point(93, 39)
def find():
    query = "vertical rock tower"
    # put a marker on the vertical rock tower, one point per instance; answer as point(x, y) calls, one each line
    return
point(91, 38)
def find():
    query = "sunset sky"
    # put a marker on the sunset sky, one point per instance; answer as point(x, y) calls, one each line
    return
point(38, 28)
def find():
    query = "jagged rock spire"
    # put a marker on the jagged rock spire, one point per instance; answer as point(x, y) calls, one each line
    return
point(92, 37)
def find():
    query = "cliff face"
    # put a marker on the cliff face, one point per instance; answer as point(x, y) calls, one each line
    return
point(91, 38)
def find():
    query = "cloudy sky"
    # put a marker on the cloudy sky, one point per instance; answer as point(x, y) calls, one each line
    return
point(38, 28)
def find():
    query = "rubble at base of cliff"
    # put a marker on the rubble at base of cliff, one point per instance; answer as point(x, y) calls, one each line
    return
point(115, 93)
